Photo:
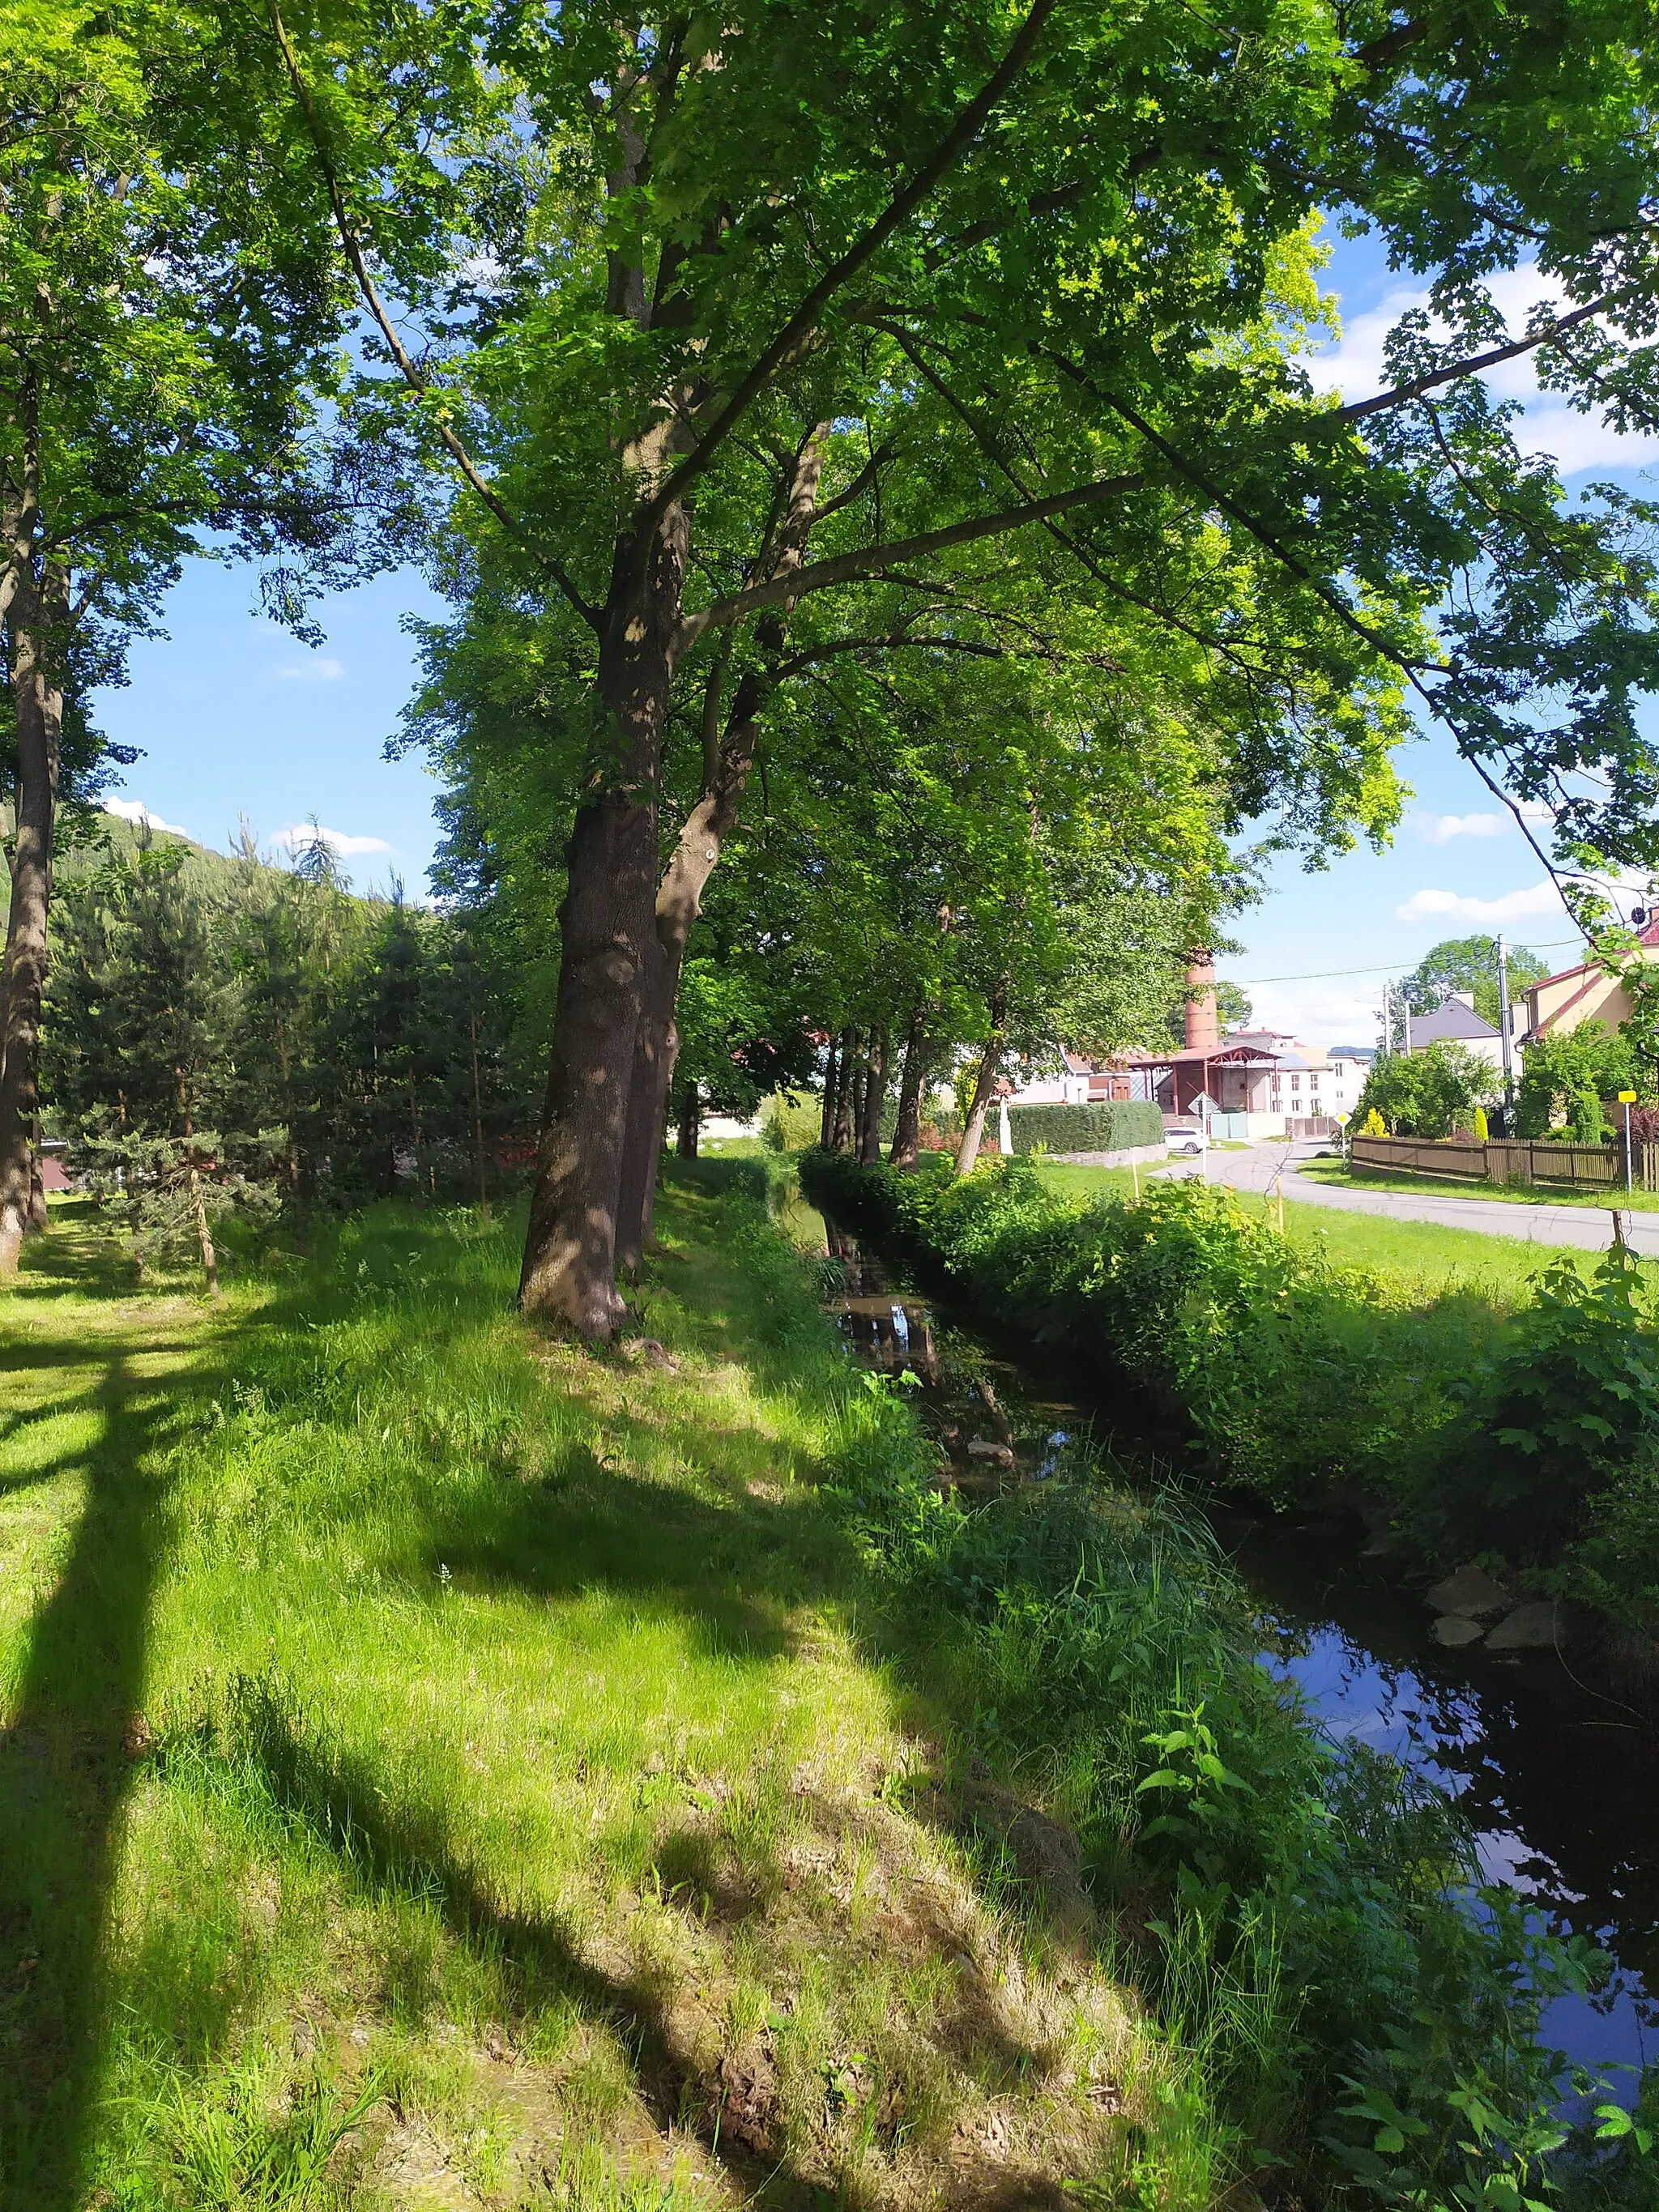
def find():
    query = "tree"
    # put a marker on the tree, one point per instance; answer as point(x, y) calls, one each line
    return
point(171, 315)
point(1428, 1094)
point(1468, 963)
point(147, 1012)
point(768, 309)
point(1568, 1075)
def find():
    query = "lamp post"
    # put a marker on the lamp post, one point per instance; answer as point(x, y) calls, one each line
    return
point(1627, 1099)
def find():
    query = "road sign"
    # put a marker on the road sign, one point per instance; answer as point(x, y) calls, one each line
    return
point(1627, 1098)
point(1342, 1121)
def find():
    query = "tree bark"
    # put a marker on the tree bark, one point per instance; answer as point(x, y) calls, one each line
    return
point(841, 1135)
point(606, 926)
point(727, 764)
point(907, 1129)
point(37, 704)
point(875, 1098)
point(984, 1085)
point(691, 1124)
point(827, 1125)
point(860, 1084)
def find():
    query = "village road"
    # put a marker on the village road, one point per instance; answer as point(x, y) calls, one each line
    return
point(1588, 1227)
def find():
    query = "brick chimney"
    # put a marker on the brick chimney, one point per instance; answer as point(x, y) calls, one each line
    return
point(1203, 1029)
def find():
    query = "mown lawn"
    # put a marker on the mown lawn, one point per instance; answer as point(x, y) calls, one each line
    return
point(441, 1768)
point(1436, 1259)
point(1346, 1176)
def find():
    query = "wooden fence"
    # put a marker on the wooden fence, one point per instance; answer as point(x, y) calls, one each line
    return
point(1515, 1159)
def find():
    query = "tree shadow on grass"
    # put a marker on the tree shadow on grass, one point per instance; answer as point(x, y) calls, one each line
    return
point(381, 1844)
point(64, 1769)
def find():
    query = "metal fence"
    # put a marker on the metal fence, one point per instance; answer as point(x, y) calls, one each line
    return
point(1515, 1159)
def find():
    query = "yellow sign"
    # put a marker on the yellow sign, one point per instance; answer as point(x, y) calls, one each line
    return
point(1341, 1120)
point(1627, 1098)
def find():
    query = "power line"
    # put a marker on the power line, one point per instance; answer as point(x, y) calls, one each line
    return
point(1383, 967)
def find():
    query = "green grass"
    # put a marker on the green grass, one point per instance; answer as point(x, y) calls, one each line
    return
point(1428, 1255)
point(441, 1768)
point(1345, 1176)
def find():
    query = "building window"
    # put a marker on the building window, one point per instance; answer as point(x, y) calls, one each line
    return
point(1296, 1083)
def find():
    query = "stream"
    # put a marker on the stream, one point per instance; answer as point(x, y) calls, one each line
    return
point(1558, 1780)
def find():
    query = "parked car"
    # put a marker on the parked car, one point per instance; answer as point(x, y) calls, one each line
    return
point(1185, 1140)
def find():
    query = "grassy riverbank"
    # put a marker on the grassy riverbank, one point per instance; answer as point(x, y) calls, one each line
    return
point(1483, 1418)
point(443, 1768)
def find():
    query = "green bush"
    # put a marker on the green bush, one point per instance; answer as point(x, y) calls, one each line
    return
point(1295, 1377)
point(1535, 1438)
point(790, 1119)
point(1311, 1953)
point(1111, 1126)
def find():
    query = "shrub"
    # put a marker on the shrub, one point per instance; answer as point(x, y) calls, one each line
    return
point(1293, 1373)
point(1429, 1094)
point(1117, 1125)
point(790, 1119)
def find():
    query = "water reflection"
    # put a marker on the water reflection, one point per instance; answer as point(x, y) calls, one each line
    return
point(1558, 1781)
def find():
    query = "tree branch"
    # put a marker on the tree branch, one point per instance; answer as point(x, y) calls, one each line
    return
point(854, 568)
point(804, 318)
point(411, 375)
point(1403, 394)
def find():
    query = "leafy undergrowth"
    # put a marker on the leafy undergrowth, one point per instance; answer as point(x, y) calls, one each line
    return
point(1517, 1425)
point(442, 1768)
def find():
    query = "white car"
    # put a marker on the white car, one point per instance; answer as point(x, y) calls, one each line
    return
point(1185, 1140)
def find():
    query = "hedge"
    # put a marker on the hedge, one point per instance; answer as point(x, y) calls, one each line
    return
point(1118, 1125)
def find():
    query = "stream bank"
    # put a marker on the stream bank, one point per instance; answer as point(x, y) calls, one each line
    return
point(1556, 1774)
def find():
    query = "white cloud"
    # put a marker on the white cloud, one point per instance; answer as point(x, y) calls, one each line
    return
point(134, 809)
point(1455, 906)
point(1354, 369)
point(1343, 1011)
point(1441, 829)
point(310, 671)
point(344, 847)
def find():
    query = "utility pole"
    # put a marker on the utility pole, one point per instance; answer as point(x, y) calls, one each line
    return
point(1388, 1019)
point(1503, 1031)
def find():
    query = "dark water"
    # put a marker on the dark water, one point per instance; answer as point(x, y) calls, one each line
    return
point(1559, 1779)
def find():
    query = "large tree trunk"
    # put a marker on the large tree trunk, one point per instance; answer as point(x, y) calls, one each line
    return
point(606, 924)
point(875, 1098)
point(38, 705)
point(679, 902)
point(985, 1083)
point(907, 1129)
point(861, 1085)
point(727, 763)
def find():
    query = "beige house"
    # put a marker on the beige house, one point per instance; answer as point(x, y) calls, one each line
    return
point(1558, 1003)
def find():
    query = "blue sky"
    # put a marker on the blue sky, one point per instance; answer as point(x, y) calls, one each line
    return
point(239, 721)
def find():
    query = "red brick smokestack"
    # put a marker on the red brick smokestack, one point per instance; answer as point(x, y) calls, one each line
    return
point(1203, 1028)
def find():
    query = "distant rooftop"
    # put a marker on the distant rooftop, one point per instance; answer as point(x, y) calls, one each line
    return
point(1454, 1021)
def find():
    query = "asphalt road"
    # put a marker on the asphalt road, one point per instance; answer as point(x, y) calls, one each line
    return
point(1588, 1227)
